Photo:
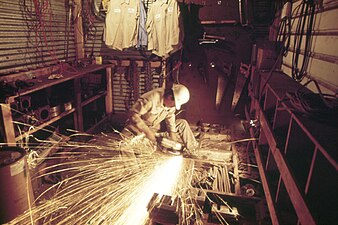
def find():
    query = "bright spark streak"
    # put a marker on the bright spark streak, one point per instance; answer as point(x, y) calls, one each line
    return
point(163, 181)
point(107, 180)
point(110, 181)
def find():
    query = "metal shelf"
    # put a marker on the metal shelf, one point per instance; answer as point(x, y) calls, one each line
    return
point(298, 149)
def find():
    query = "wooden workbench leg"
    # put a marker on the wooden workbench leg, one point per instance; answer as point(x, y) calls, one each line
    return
point(109, 97)
point(7, 122)
point(78, 112)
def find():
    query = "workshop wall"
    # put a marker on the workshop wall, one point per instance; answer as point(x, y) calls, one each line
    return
point(123, 96)
point(198, 59)
point(34, 34)
point(322, 49)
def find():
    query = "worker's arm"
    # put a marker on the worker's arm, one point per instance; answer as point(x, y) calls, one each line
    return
point(141, 107)
point(141, 126)
point(171, 125)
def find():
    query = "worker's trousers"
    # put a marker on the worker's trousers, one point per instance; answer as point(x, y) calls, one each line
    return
point(186, 134)
point(183, 129)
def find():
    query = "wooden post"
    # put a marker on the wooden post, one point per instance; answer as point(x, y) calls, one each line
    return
point(164, 72)
point(7, 122)
point(109, 97)
point(78, 114)
point(136, 80)
point(236, 173)
point(221, 86)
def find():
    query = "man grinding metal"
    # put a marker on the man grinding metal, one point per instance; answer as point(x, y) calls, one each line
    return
point(158, 105)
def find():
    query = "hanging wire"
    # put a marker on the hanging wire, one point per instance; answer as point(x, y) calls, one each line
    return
point(44, 17)
point(306, 18)
point(284, 32)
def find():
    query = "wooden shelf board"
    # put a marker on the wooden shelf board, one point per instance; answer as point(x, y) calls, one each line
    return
point(92, 129)
point(44, 82)
point(91, 99)
point(140, 63)
point(41, 126)
point(206, 22)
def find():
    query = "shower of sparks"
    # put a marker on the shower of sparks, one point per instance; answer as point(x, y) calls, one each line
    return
point(108, 180)
point(162, 180)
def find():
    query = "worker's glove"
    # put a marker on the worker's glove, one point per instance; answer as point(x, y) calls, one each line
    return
point(137, 138)
point(174, 136)
point(150, 135)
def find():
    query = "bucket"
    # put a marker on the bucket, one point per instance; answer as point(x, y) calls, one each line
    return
point(16, 193)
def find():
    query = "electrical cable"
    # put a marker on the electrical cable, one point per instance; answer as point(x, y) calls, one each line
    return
point(69, 11)
point(42, 9)
point(283, 36)
point(296, 73)
point(306, 18)
point(314, 104)
point(308, 40)
point(176, 67)
point(88, 21)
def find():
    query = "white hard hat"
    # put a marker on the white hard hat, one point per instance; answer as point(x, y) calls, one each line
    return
point(181, 95)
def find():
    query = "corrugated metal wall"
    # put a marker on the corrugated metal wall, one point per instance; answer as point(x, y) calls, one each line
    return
point(34, 35)
point(123, 96)
point(323, 50)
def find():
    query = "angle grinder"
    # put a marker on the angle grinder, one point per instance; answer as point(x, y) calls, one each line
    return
point(164, 143)
point(167, 144)
point(170, 144)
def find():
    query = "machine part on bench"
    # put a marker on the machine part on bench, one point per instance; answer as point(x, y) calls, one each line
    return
point(25, 102)
point(67, 106)
point(55, 111)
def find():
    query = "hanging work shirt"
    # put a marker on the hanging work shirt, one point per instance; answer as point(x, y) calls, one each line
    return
point(152, 111)
point(142, 31)
point(122, 21)
point(164, 27)
point(174, 26)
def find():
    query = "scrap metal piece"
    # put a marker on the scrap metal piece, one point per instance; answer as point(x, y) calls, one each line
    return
point(222, 83)
point(164, 210)
point(241, 83)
